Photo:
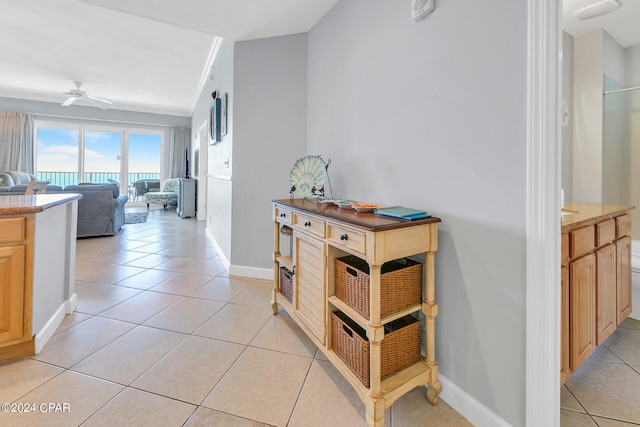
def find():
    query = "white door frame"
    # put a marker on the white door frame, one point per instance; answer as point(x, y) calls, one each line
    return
point(543, 213)
point(203, 167)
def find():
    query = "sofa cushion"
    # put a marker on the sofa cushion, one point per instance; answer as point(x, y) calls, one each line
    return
point(7, 181)
point(171, 185)
point(21, 177)
point(81, 188)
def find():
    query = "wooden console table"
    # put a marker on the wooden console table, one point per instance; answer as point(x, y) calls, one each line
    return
point(322, 233)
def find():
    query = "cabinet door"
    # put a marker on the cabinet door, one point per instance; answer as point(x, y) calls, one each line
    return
point(11, 294)
point(605, 292)
point(623, 279)
point(582, 316)
point(564, 326)
point(309, 300)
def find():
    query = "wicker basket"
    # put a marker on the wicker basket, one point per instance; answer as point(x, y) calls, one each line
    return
point(400, 284)
point(400, 347)
point(286, 283)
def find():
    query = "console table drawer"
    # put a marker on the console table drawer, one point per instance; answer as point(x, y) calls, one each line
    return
point(12, 229)
point(309, 223)
point(283, 215)
point(347, 237)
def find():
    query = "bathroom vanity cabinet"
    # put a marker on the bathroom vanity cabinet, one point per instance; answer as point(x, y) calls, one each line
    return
point(595, 278)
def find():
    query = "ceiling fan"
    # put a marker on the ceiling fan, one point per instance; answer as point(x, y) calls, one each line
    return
point(75, 94)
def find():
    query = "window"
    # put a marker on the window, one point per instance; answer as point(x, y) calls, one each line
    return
point(69, 153)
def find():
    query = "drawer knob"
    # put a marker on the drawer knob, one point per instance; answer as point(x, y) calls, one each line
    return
point(307, 224)
point(344, 237)
point(282, 215)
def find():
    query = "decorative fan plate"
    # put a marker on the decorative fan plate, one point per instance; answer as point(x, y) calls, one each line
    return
point(307, 176)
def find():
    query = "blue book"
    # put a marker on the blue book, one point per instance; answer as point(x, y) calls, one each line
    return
point(402, 213)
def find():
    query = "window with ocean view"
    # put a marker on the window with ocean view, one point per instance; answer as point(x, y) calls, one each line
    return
point(68, 154)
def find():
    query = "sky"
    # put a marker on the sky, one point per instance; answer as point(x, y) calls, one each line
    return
point(57, 151)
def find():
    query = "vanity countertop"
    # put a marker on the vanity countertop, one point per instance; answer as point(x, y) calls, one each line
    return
point(21, 204)
point(580, 213)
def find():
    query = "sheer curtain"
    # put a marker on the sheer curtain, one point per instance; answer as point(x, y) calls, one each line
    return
point(178, 146)
point(16, 142)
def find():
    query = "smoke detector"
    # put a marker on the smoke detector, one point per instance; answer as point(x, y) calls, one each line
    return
point(596, 9)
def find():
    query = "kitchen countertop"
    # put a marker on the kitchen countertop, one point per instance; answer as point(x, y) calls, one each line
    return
point(579, 213)
point(21, 204)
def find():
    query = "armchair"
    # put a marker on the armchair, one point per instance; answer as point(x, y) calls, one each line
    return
point(100, 210)
point(168, 195)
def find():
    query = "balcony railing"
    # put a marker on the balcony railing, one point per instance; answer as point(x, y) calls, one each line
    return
point(63, 179)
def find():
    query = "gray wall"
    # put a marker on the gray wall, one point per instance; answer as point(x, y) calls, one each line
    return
point(217, 176)
point(267, 85)
point(270, 110)
point(432, 115)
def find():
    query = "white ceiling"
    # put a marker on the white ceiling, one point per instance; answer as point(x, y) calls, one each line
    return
point(622, 24)
point(142, 55)
point(154, 55)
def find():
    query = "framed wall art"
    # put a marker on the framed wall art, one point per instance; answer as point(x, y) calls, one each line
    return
point(214, 122)
point(223, 114)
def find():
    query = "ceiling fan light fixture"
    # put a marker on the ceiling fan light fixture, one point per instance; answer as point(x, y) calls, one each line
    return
point(596, 9)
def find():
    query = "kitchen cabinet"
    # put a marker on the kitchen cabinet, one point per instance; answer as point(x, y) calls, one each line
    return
point(15, 322)
point(322, 233)
point(37, 264)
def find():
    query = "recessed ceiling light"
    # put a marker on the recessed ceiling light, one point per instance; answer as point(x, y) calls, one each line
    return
point(599, 8)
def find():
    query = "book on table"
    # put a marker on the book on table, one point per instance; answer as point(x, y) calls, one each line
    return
point(402, 213)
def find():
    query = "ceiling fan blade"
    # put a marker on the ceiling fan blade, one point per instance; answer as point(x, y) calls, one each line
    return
point(69, 101)
point(91, 101)
point(99, 100)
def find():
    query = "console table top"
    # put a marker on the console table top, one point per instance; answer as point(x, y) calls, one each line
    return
point(369, 221)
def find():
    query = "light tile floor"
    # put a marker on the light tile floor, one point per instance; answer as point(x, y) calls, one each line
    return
point(605, 390)
point(163, 337)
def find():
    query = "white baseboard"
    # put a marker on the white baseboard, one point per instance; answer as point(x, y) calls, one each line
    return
point(43, 336)
point(71, 303)
point(467, 406)
point(239, 270)
point(253, 272)
point(217, 248)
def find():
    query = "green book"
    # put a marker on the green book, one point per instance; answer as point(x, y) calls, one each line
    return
point(402, 213)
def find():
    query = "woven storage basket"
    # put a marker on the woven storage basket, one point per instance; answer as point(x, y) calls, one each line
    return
point(286, 283)
point(400, 284)
point(400, 347)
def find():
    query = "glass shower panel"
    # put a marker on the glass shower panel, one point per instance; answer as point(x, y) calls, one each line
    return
point(615, 151)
